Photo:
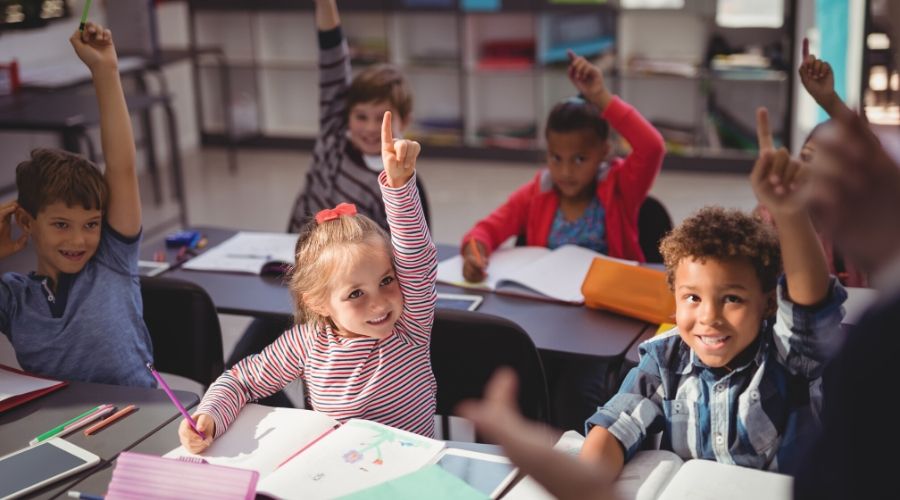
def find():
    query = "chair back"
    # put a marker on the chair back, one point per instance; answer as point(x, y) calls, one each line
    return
point(467, 347)
point(184, 328)
point(654, 223)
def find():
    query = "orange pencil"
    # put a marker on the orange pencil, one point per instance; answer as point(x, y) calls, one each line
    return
point(478, 256)
point(108, 420)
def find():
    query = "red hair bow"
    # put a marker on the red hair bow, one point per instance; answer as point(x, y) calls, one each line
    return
point(333, 213)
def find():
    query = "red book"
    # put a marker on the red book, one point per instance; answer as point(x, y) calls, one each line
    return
point(17, 387)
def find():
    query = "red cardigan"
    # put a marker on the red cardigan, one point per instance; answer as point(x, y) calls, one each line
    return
point(621, 190)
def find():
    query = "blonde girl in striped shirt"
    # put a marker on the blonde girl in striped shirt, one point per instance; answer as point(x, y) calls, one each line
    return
point(364, 307)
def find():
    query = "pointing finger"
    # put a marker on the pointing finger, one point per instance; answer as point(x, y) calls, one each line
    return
point(763, 132)
point(387, 132)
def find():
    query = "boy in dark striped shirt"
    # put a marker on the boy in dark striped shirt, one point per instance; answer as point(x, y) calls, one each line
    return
point(347, 152)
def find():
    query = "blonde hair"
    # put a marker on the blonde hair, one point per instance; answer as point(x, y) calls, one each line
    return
point(318, 253)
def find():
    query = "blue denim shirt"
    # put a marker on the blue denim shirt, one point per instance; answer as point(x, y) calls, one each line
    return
point(753, 416)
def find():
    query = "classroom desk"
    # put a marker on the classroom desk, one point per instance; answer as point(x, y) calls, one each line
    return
point(166, 439)
point(21, 424)
point(552, 326)
point(71, 113)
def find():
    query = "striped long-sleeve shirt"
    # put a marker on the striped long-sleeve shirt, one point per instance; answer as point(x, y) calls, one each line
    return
point(338, 172)
point(756, 415)
point(389, 380)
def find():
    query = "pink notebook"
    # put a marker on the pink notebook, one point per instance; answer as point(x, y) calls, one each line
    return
point(140, 476)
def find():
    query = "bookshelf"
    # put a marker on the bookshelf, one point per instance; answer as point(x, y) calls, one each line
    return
point(484, 79)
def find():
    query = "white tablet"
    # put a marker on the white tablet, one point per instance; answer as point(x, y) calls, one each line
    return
point(36, 466)
point(151, 268)
point(489, 474)
point(458, 301)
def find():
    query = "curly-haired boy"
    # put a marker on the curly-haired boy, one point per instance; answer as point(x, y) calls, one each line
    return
point(738, 380)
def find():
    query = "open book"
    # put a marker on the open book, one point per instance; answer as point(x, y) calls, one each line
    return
point(302, 453)
point(663, 475)
point(530, 271)
point(17, 387)
point(248, 252)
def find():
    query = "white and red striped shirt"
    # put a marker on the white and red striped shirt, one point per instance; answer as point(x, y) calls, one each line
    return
point(388, 381)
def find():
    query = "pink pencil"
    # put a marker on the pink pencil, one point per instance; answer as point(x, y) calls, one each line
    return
point(102, 411)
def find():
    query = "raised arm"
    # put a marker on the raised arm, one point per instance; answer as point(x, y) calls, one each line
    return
point(327, 17)
point(95, 48)
point(415, 255)
point(775, 179)
point(818, 80)
point(647, 146)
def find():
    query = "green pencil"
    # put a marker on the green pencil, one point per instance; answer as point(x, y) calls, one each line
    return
point(59, 428)
point(84, 14)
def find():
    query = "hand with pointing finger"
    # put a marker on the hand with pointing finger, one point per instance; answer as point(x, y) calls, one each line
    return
point(399, 156)
point(776, 177)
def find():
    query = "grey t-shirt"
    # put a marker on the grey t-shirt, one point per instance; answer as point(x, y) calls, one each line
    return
point(100, 335)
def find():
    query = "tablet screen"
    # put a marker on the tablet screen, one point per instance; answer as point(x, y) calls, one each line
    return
point(483, 475)
point(33, 466)
point(464, 302)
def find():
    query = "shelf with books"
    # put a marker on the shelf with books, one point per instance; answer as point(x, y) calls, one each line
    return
point(487, 79)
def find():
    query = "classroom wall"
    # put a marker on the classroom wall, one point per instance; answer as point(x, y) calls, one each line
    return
point(50, 45)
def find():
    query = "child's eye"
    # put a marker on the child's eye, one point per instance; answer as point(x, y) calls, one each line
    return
point(579, 160)
point(355, 294)
point(92, 225)
point(387, 280)
point(733, 299)
point(691, 299)
point(554, 158)
point(60, 225)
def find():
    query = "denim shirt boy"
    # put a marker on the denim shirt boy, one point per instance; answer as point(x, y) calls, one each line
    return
point(753, 414)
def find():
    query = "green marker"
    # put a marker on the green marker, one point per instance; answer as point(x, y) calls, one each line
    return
point(59, 428)
point(84, 14)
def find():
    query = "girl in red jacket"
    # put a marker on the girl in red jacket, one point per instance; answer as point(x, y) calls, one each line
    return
point(580, 198)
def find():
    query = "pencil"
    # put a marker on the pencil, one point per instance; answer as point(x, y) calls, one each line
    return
point(475, 251)
point(307, 445)
point(84, 15)
point(109, 420)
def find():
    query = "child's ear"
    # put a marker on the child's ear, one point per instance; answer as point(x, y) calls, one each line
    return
point(25, 220)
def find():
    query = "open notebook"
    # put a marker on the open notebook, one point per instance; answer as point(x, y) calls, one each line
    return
point(530, 271)
point(663, 475)
point(301, 453)
point(247, 252)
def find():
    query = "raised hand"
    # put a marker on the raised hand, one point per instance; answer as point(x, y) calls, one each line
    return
point(588, 79)
point(776, 176)
point(817, 77)
point(7, 245)
point(399, 156)
point(190, 440)
point(854, 191)
point(94, 46)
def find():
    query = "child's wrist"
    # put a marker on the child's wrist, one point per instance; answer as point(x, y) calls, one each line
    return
point(601, 99)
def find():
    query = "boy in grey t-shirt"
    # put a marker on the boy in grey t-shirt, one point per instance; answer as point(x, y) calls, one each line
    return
point(79, 316)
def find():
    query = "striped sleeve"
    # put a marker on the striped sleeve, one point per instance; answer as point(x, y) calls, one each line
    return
point(415, 258)
point(334, 82)
point(255, 377)
point(807, 337)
